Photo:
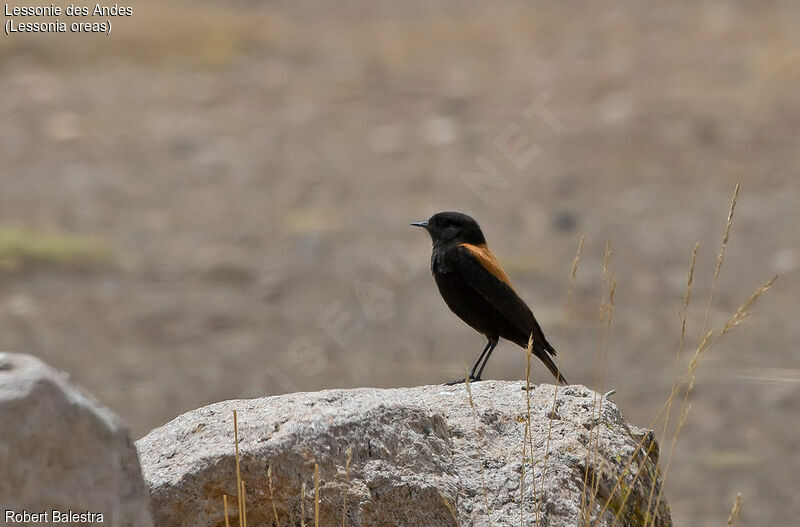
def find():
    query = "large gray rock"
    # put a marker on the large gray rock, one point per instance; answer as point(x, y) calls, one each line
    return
point(61, 450)
point(420, 457)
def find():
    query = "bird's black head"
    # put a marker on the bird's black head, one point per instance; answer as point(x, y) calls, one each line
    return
point(455, 227)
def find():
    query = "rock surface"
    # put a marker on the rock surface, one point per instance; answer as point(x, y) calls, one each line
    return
point(418, 457)
point(60, 449)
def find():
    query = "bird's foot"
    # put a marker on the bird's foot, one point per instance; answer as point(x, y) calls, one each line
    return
point(461, 381)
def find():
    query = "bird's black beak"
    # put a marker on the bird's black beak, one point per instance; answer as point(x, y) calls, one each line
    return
point(420, 224)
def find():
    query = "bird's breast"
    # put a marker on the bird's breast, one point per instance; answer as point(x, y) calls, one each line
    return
point(440, 262)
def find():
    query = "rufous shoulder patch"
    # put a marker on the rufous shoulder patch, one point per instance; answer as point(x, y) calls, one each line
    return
point(488, 261)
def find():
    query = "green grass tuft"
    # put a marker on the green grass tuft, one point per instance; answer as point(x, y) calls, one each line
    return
point(22, 248)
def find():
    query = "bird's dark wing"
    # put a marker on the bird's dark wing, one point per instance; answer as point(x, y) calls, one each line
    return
point(483, 272)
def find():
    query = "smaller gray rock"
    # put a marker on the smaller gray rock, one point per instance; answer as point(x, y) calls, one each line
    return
point(61, 450)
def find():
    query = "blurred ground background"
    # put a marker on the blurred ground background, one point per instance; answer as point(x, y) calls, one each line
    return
point(213, 202)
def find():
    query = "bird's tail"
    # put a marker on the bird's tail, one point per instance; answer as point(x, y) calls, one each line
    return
point(552, 367)
point(546, 355)
point(545, 351)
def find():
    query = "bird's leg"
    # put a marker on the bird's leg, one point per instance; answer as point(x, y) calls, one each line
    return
point(472, 371)
point(489, 348)
point(477, 363)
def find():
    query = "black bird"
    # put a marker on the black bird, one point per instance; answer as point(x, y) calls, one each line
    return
point(479, 292)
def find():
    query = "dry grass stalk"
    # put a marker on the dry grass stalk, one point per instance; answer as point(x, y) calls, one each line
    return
point(522, 476)
point(303, 504)
point(225, 509)
point(721, 255)
point(316, 494)
point(573, 275)
point(272, 496)
point(605, 304)
point(475, 421)
point(737, 508)
point(687, 295)
point(528, 428)
point(239, 496)
point(449, 506)
point(585, 518)
point(604, 359)
point(606, 259)
point(610, 316)
point(525, 435)
point(244, 507)
point(744, 310)
point(720, 259)
point(347, 483)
